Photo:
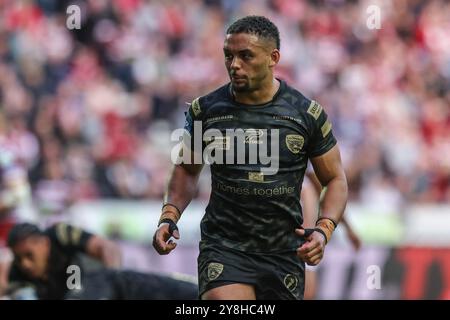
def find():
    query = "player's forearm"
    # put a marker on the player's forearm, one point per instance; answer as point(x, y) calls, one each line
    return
point(310, 200)
point(182, 186)
point(335, 199)
point(106, 251)
point(111, 255)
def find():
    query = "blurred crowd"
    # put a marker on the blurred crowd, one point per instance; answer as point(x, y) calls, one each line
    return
point(89, 112)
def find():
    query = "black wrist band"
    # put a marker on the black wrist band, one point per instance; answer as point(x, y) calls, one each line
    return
point(308, 232)
point(323, 233)
point(172, 225)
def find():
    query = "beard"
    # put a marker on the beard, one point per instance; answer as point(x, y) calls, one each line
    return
point(241, 85)
point(240, 88)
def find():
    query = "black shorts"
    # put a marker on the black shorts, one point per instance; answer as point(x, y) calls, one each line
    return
point(273, 275)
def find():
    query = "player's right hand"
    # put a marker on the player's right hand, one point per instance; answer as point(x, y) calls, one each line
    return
point(312, 250)
point(161, 239)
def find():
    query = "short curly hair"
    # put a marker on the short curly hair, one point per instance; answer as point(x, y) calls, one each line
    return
point(21, 232)
point(257, 25)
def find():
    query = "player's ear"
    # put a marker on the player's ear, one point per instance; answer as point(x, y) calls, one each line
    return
point(274, 57)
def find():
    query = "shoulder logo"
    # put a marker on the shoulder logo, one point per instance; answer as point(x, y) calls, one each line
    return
point(326, 128)
point(195, 106)
point(214, 270)
point(76, 235)
point(62, 234)
point(295, 142)
point(315, 109)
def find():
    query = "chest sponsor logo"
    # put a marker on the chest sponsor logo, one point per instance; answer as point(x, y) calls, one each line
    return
point(218, 142)
point(227, 146)
point(254, 136)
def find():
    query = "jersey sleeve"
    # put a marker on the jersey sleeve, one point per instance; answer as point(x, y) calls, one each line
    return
point(70, 238)
point(193, 115)
point(322, 138)
point(193, 132)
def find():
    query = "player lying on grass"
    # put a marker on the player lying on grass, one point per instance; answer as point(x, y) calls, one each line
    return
point(42, 259)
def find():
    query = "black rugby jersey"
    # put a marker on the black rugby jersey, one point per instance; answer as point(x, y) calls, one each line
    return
point(249, 209)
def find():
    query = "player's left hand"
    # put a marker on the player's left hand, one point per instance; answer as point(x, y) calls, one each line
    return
point(311, 252)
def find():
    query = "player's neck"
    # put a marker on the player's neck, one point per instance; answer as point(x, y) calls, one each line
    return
point(263, 95)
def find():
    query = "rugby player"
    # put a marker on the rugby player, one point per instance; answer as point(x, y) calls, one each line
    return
point(252, 243)
point(42, 259)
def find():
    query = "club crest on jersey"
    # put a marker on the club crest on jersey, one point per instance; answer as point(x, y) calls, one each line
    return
point(295, 142)
point(214, 270)
point(290, 282)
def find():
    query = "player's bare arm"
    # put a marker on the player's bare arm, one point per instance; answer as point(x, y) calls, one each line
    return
point(310, 200)
point(329, 171)
point(104, 250)
point(352, 236)
point(181, 188)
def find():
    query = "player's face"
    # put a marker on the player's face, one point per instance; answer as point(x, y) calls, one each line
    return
point(249, 61)
point(31, 256)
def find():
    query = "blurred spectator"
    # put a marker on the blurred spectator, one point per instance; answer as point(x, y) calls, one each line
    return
point(15, 195)
point(90, 111)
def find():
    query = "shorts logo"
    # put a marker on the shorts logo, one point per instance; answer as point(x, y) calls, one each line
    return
point(291, 282)
point(326, 128)
point(294, 142)
point(214, 270)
